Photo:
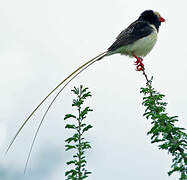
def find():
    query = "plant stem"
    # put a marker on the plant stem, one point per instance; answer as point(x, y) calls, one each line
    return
point(79, 137)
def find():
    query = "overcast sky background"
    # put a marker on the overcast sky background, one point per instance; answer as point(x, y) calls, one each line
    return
point(42, 41)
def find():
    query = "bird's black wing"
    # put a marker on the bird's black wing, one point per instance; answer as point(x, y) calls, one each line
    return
point(134, 32)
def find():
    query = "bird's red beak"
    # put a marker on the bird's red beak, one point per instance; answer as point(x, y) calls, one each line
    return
point(161, 19)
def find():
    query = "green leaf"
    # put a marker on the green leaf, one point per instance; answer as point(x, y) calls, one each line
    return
point(87, 128)
point(69, 116)
point(68, 147)
point(88, 94)
point(174, 169)
point(84, 90)
point(84, 112)
point(68, 140)
point(83, 124)
point(70, 126)
point(72, 171)
point(75, 91)
point(183, 176)
point(77, 103)
point(164, 146)
point(71, 162)
point(153, 129)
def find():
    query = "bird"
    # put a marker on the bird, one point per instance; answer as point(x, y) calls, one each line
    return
point(136, 41)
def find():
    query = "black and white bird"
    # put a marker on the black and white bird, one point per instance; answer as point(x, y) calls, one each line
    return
point(137, 40)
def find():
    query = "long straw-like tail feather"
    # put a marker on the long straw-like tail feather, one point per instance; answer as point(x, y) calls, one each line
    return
point(100, 56)
point(39, 126)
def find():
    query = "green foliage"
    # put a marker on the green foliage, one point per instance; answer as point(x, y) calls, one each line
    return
point(170, 138)
point(77, 142)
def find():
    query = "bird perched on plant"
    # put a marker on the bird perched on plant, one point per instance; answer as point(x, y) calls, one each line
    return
point(137, 40)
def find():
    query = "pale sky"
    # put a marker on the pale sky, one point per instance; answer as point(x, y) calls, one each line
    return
point(42, 41)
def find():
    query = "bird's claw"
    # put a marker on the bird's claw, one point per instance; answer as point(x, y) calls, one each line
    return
point(140, 68)
point(139, 64)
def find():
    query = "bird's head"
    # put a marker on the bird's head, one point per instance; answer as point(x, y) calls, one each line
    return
point(152, 17)
point(161, 19)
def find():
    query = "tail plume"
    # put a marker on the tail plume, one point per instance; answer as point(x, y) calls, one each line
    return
point(72, 76)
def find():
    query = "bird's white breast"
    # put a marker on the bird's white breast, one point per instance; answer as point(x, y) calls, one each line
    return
point(140, 47)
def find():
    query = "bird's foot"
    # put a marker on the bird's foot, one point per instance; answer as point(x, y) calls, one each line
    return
point(139, 64)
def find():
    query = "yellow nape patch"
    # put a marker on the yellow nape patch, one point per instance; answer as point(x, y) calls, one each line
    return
point(157, 13)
